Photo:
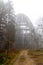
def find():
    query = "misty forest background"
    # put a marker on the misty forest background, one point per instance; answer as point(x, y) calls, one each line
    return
point(17, 31)
point(18, 34)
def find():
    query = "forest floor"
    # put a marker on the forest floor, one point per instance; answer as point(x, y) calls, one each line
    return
point(7, 56)
point(22, 57)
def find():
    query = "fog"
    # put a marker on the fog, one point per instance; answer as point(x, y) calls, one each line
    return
point(17, 31)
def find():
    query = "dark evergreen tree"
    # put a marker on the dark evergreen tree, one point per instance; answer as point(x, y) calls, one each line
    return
point(7, 29)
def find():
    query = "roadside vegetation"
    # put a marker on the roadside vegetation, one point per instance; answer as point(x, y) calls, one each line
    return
point(6, 58)
point(37, 56)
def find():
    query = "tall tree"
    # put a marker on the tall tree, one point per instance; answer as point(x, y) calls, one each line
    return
point(40, 31)
point(25, 34)
point(7, 19)
point(2, 25)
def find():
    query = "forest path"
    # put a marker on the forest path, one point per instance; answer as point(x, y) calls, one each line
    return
point(24, 59)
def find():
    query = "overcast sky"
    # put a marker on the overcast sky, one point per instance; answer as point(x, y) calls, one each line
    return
point(32, 8)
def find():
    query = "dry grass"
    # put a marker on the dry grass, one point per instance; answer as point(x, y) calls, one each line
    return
point(37, 56)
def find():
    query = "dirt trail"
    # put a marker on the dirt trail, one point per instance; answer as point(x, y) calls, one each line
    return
point(24, 59)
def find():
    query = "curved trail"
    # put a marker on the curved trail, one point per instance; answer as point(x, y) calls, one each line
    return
point(24, 59)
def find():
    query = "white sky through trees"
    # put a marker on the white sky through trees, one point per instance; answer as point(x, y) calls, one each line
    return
point(32, 8)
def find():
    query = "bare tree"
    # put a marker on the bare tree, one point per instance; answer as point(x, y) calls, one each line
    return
point(40, 31)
